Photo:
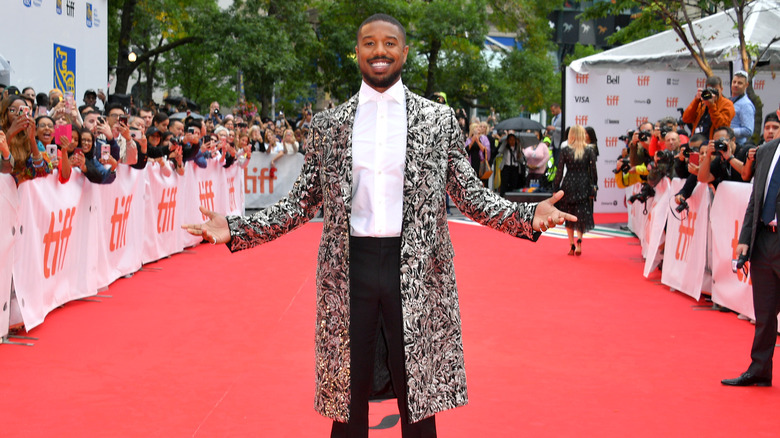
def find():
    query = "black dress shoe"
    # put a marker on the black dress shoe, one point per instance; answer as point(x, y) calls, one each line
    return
point(748, 379)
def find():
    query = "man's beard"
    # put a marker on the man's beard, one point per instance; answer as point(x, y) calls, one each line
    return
point(383, 82)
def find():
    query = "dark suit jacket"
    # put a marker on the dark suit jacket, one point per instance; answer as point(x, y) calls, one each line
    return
point(764, 156)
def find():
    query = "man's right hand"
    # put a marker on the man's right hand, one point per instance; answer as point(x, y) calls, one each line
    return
point(742, 249)
point(216, 230)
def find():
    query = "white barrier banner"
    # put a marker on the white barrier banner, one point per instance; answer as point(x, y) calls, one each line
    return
point(656, 223)
point(9, 203)
point(162, 234)
point(264, 186)
point(730, 290)
point(234, 179)
point(53, 262)
point(635, 216)
point(120, 228)
point(685, 252)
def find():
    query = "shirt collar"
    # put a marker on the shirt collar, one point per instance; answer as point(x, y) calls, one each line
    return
point(368, 94)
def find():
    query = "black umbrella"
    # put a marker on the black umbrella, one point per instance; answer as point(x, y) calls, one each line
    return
point(176, 101)
point(519, 124)
point(183, 115)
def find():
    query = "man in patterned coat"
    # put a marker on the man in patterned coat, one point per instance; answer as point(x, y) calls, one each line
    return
point(380, 166)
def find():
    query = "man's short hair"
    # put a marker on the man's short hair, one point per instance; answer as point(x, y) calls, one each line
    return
point(742, 73)
point(555, 105)
point(387, 19)
point(728, 130)
point(714, 81)
point(772, 117)
point(667, 121)
point(146, 109)
point(113, 106)
point(192, 123)
point(698, 137)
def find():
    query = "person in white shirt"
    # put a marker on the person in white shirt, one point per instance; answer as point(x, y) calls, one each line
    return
point(380, 166)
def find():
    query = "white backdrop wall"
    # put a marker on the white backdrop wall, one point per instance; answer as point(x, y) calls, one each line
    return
point(56, 44)
point(615, 101)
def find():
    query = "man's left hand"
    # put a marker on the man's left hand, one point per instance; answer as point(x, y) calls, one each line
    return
point(547, 216)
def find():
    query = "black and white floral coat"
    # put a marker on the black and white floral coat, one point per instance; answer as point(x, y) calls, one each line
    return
point(436, 164)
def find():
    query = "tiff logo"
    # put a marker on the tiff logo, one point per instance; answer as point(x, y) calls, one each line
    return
point(581, 120)
point(701, 82)
point(206, 195)
point(734, 242)
point(640, 120)
point(166, 210)
point(611, 142)
point(54, 257)
point(582, 79)
point(612, 100)
point(232, 193)
point(643, 81)
point(119, 223)
point(671, 102)
point(70, 6)
point(265, 176)
point(610, 183)
point(687, 231)
point(758, 84)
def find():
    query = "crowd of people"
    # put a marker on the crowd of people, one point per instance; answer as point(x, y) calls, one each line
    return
point(42, 132)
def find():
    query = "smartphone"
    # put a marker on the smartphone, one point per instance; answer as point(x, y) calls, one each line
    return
point(105, 152)
point(135, 134)
point(192, 130)
point(25, 110)
point(694, 158)
point(51, 151)
point(60, 130)
point(70, 102)
point(123, 119)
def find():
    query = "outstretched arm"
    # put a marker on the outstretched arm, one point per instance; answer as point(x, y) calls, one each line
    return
point(215, 230)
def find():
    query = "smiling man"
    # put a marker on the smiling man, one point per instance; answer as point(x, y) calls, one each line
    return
point(380, 166)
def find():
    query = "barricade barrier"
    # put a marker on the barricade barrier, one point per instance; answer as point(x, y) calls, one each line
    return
point(685, 235)
point(61, 242)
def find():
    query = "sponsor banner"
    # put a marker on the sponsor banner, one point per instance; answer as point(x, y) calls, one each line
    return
point(614, 101)
point(9, 202)
point(120, 208)
point(656, 225)
point(53, 250)
point(264, 186)
point(68, 49)
point(729, 289)
point(234, 180)
point(685, 251)
point(162, 234)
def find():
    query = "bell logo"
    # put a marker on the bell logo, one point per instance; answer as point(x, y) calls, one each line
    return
point(612, 100)
point(255, 180)
point(701, 82)
point(642, 81)
point(582, 79)
point(671, 102)
point(758, 84)
point(232, 193)
point(54, 257)
point(206, 195)
point(166, 210)
point(119, 223)
point(686, 236)
point(734, 242)
point(613, 80)
point(610, 183)
point(611, 142)
point(581, 120)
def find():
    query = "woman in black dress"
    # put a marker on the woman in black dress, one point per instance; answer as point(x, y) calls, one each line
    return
point(579, 185)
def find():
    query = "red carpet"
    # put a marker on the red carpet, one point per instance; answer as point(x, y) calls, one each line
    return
point(221, 345)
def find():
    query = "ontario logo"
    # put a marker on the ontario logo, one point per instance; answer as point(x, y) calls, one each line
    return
point(64, 68)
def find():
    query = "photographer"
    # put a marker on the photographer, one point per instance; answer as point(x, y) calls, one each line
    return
point(771, 131)
point(709, 109)
point(687, 166)
point(722, 159)
point(639, 146)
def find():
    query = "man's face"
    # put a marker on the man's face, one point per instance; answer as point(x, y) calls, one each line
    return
point(724, 135)
point(138, 124)
point(90, 121)
point(381, 52)
point(29, 93)
point(90, 99)
point(147, 117)
point(177, 127)
point(555, 110)
point(771, 131)
point(672, 140)
point(738, 86)
point(113, 116)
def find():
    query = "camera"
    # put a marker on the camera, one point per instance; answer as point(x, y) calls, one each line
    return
point(624, 168)
point(665, 130)
point(721, 145)
point(683, 206)
point(708, 93)
point(626, 138)
point(686, 150)
point(644, 136)
point(646, 192)
point(739, 263)
point(665, 156)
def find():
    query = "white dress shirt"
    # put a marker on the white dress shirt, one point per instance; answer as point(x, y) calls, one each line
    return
point(769, 179)
point(378, 160)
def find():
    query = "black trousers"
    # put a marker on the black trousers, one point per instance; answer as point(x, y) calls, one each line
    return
point(765, 273)
point(510, 179)
point(375, 295)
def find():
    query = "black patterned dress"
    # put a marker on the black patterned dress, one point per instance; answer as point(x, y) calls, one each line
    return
point(580, 177)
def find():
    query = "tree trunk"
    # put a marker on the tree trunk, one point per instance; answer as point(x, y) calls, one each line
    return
point(123, 67)
point(432, 60)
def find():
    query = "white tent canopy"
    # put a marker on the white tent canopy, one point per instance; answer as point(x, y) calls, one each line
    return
point(718, 36)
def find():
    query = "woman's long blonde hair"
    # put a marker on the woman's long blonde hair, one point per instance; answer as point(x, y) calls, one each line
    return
point(577, 141)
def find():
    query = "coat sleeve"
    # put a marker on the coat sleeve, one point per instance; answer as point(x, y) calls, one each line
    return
point(475, 200)
point(290, 212)
point(691, 114)
point(724, 112)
